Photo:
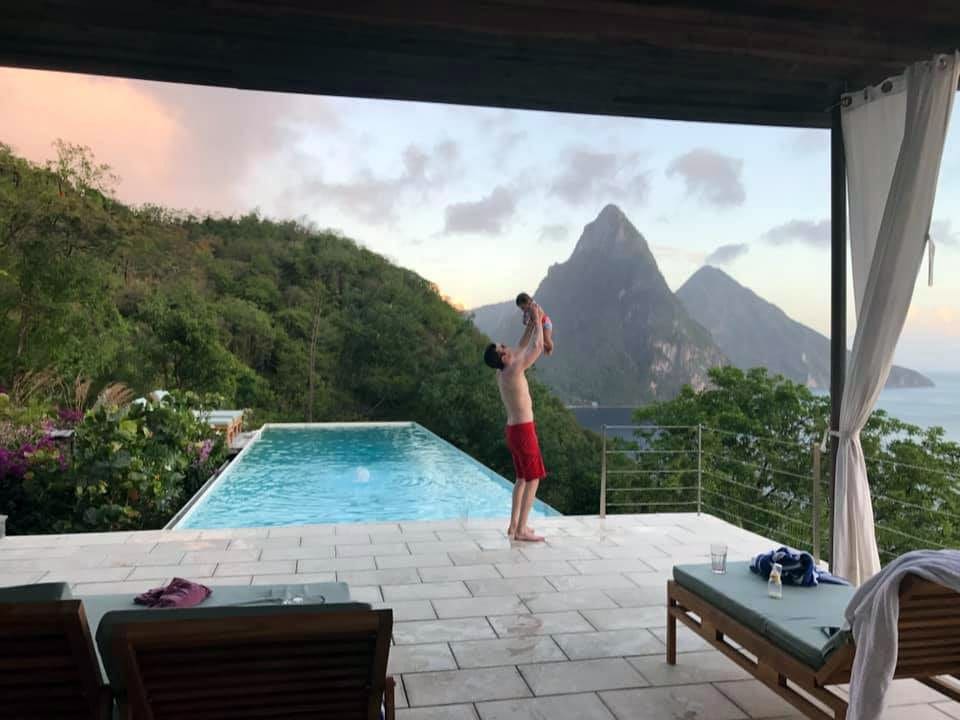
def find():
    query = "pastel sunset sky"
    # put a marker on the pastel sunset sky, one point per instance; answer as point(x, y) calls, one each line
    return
point(482, 201)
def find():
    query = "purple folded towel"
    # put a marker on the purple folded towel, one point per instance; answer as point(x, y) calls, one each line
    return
point(179, 593)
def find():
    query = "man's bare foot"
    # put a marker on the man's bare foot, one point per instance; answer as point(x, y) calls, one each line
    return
point(528, 536)
point(511, 533)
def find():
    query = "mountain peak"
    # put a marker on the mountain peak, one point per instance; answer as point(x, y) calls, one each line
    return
point(612, 233)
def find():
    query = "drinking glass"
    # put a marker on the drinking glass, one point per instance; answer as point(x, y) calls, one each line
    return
point(718, 558)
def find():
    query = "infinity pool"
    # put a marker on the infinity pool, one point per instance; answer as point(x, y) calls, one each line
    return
point(309, 474)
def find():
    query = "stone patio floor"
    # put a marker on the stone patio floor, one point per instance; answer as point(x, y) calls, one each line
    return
point(569, 629)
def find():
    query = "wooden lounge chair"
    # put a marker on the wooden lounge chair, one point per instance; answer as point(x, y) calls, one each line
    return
point(788, 644)
point(275, 662)
point(48, 665)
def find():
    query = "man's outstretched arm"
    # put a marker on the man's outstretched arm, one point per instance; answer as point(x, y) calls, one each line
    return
point(535, 348)
point(527, 333)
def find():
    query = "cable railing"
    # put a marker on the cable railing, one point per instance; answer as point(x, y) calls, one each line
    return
point(779, 488)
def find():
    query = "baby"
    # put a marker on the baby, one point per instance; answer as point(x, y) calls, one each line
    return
point(523, 302)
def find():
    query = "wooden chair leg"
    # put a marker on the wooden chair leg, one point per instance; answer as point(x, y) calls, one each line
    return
point(671, 633)
point(389, 700)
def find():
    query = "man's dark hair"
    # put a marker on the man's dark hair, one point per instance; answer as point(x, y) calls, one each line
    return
point(523, 299)
point(492, 358)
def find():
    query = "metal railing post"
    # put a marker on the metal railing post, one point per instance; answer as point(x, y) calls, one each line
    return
point(603, 472)
point(816, 501)
point(699, 468)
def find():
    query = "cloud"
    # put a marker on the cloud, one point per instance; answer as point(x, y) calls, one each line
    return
point(481, 216)
point(373, 198)
point(943, 233)
point(714, 178)
point(554, 233)
point(808, 141)
point(807, 232)
point(184, 146)
point(664, 252)
point(595, 176)
point(726, 254)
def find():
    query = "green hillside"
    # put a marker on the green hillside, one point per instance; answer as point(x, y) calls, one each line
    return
point(292, 322)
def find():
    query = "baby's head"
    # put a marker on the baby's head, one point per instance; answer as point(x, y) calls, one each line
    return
point(523, 301)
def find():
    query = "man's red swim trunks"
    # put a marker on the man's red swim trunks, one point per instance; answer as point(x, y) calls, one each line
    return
point(525, 449)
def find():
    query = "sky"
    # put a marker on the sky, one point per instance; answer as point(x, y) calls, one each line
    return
point(482, 201)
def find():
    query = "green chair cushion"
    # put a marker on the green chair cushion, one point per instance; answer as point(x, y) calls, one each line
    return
point(795, 623)
point(37, 593)
point(107, 613)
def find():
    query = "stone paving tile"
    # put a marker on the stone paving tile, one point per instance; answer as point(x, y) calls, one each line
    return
point(368, 550)
point(566, 583)
point(13, 552)
point(458, 572)
point(693, 702)
point(301, 531)
point(428, 560)
point(544, 553)
point(143, 560)
point(405, 610)
point(218, 556)
point(506, 586)
point(274, 567)
point(950, 709)
point(581, 676)
point(232, 580)
point(459, 546)
point(20, 578)
point(509, 651)
point(420, 658)
point(692, 668)
point(307, 552)
point(307, 565)
point(913, 712)
point(486, 557)
point(687, 639)
point(171, 545)
point(393, 576)
point(602, 567)
point(443, 712)
point(369, 594)
point(425, 591)
point(534, 569)
point(652, 595)
point(625, 618)
point(297, 578)
point(554, 602)
point(25, 565)
point(568, 707)
point(611, 643)
point(540, 624)
point(464, 686)
point(96, 575)
point(430, 631)
point(131, 587)
point(263, 543)
point(474, 607)
point(755, 699)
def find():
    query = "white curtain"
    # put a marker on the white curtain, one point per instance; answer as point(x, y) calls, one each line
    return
point(893, 136)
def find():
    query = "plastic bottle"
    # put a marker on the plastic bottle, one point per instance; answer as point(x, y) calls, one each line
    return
point(775, 584)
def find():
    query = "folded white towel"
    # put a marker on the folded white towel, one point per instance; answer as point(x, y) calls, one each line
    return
point(873, 613)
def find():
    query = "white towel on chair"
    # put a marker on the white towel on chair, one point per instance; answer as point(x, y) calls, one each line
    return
point(873, 613)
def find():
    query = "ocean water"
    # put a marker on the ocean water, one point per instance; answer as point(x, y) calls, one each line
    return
point(939, 405)
point(305, 475)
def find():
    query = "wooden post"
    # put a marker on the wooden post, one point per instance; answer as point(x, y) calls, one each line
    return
point(838, 300)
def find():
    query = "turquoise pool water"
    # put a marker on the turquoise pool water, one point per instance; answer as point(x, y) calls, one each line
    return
point(303, 475)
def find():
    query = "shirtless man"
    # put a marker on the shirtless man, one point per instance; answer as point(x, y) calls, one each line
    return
point(511, 364)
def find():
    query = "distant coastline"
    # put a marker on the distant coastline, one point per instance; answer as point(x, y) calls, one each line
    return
point(923, 406)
